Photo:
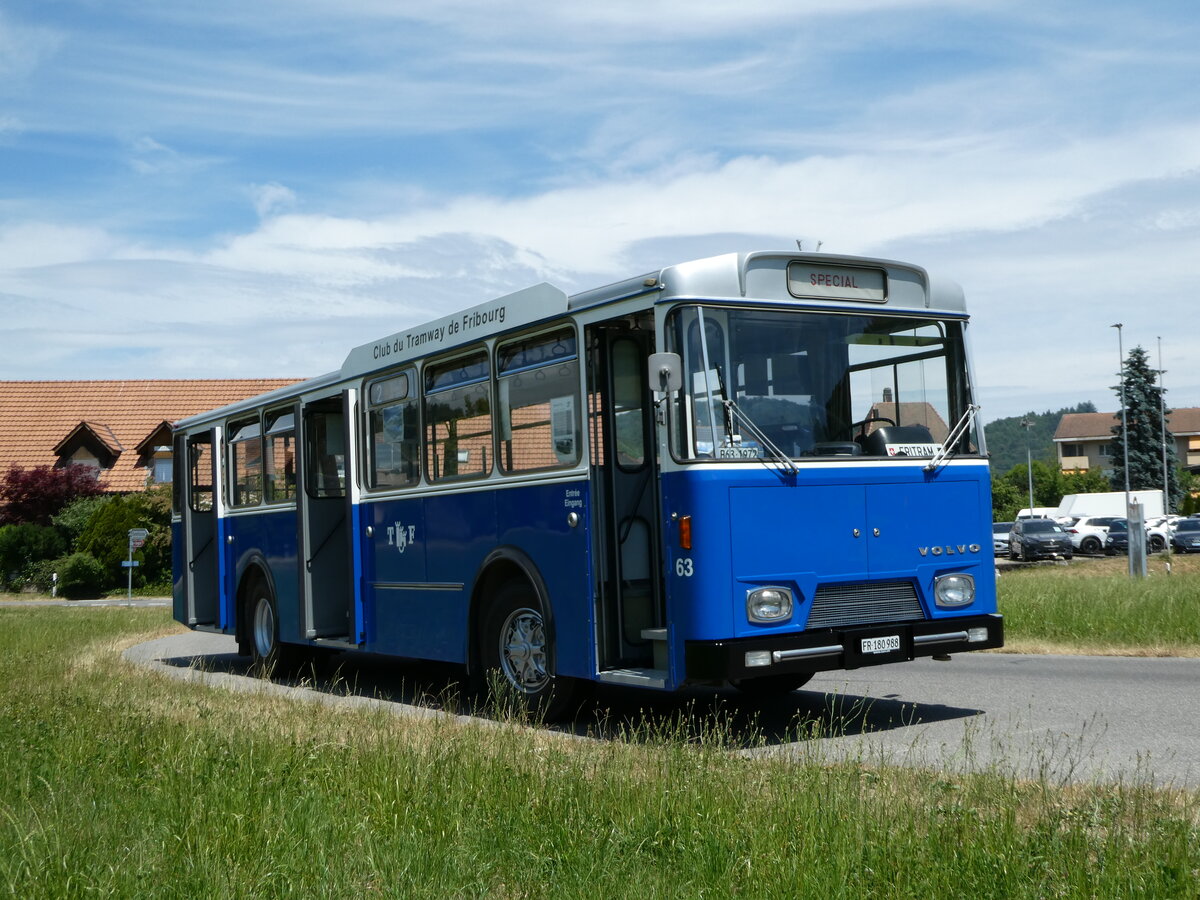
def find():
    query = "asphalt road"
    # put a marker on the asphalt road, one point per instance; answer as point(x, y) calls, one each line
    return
point(1063, 718)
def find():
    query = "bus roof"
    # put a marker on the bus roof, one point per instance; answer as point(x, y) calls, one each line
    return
point(808, 280)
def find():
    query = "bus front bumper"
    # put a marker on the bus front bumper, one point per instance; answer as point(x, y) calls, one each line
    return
point(840, 648)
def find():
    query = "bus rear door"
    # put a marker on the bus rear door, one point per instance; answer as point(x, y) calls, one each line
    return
point(329, 541)
point(201, 526)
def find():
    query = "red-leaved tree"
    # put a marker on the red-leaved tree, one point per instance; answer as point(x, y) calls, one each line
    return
point(36, 495)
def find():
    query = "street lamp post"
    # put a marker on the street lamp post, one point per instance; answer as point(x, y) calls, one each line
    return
point(1124, 421)
point(1133, 518)
point(1028, 424)
point(1162, 422)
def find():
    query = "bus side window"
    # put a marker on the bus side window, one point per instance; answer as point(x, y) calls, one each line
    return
point(280, 456)
point(200, 489)
point(539, 415)
point(458, 418)
point(395, 435)
point(246, 462)
point(327, 477)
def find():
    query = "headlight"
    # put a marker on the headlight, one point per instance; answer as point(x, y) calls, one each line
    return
point(954, 590)
point(769, 604)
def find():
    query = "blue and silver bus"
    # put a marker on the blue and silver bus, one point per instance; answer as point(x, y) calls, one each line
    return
point(744, 469)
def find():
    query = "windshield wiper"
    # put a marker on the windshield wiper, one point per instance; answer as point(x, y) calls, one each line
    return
point(732, 412)
point(943, 454)
point(777, 456)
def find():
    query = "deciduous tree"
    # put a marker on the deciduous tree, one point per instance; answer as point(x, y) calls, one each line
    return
point(36, 495)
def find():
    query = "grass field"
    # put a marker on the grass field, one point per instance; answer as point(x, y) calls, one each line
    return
point(119, 782)
point(1092, 606)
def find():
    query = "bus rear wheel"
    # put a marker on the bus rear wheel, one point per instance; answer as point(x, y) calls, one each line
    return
point(517, 647)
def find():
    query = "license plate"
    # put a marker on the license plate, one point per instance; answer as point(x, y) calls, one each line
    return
point(885, 644)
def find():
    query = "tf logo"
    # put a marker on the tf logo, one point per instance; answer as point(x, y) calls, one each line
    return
point(401, 535)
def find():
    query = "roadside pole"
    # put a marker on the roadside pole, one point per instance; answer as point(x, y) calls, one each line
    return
point(1135, 521)
point(137, 537)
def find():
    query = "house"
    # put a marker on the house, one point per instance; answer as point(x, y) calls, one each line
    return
point(1084, 440)
point(122, 429)
point(908, 413)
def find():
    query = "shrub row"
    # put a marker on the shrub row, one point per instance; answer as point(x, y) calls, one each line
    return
point(86, 543)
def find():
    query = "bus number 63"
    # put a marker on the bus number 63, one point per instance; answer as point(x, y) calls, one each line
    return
point(683, 567)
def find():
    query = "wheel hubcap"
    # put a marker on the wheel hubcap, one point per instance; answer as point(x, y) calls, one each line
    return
point(264, 627)
point(523, 651)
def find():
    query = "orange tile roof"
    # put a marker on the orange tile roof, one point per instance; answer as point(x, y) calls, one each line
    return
point(1099, 426)
point(38, 416)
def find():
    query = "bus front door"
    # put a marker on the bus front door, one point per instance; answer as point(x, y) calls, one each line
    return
point(629, 612)
point(330, 605)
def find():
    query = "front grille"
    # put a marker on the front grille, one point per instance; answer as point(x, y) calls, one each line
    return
point(838, 605)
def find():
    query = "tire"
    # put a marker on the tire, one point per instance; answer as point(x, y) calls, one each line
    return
point(771, 685)
point(517, 652)
point(1157, 543)
point(1090, 545)
point(266, 651)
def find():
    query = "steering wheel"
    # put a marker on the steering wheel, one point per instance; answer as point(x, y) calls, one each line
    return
point(849, 429)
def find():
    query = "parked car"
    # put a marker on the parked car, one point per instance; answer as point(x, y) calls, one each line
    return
point(1088, 533)
point(1117, 540)
point(1000, 532)
point(1039, 539)
point(1186, 537)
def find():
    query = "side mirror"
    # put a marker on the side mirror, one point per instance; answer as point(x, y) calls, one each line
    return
point(666, 372)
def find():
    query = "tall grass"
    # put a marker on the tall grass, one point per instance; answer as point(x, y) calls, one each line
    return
point(1102, 612)
point(122, 783)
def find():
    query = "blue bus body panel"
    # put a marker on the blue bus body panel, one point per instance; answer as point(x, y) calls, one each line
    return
point(535, 520)
point(268, 539)
point(753, 529)
point(397, 615)
point(422, 563)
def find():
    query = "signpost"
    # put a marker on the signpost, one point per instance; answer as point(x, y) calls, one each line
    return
point(137, 538)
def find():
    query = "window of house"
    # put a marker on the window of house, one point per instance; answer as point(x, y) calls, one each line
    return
point(161, 473)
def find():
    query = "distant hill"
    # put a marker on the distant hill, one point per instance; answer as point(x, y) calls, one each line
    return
point(1006, 437)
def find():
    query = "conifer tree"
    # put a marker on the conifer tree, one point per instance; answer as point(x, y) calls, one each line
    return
point(1144, 410)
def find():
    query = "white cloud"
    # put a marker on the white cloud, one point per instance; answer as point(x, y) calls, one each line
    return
point(272, 198)
point(30, 245)
point(24, 48)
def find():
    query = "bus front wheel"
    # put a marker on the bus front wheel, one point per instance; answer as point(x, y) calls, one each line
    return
point(518, 650)
point(266, 652)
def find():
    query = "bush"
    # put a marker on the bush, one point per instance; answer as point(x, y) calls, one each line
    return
point(79, 575)
point(22, 547)
point(75, 515)
point(106, 537)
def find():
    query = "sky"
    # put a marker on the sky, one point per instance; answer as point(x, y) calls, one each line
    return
point(250, 189)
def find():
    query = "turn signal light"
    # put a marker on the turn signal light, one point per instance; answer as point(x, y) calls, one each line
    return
point(685, 532)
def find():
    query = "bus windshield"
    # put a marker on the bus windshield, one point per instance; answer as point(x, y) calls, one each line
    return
point(816, 384)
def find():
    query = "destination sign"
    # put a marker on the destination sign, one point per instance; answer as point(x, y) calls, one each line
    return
point(837, 282)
